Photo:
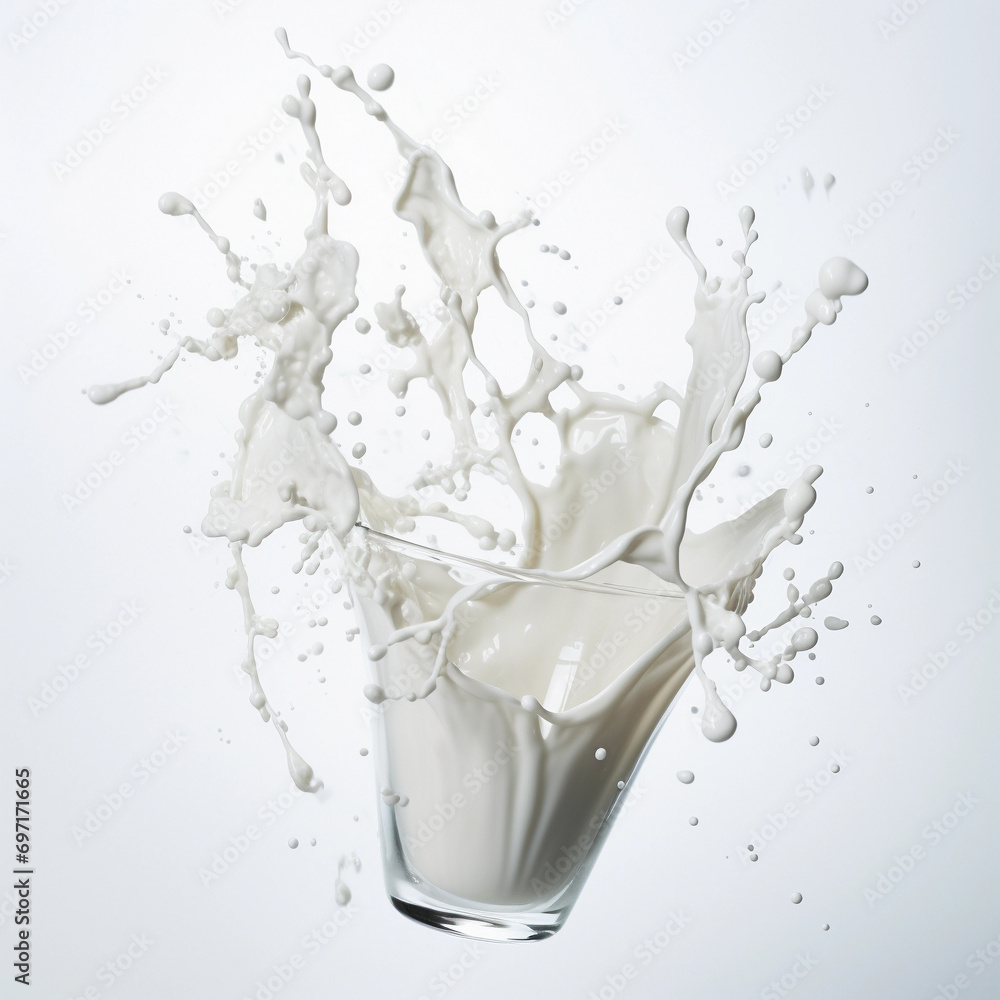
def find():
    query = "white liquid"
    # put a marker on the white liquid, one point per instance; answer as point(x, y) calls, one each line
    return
point(537, 668)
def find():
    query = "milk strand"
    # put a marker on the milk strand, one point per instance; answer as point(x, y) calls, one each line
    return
point(503, 664)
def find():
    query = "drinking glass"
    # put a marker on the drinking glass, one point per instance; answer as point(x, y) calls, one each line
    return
point(491, 816)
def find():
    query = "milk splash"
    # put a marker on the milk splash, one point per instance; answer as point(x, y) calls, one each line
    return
point(551, 715)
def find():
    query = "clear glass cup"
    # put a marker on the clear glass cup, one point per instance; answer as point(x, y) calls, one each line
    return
point(491, 817)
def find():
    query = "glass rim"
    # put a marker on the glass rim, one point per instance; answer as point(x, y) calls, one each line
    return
point(513, 573)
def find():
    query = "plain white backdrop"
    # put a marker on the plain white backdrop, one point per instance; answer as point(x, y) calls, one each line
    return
point(121, 651)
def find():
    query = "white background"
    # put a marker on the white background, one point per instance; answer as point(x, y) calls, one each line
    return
point(547, 86)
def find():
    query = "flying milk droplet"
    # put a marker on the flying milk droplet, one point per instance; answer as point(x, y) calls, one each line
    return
point(381, 77)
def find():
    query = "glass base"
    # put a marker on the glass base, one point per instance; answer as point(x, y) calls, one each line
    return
point(481, 926)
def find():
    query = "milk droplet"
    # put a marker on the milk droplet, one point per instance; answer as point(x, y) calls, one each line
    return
point(804, 638)
point(363, 751)
point(359, 450)
point(374, 694)
point(767, 365)
point(826, 927)
point(835, 768)
point(362, 325)
point(342, 893)
point(876, 620)
point(820, 680)
point(813, 741)
point(600, 753)
point(839, 276)
point(293, 843)
point(693, 820)
point(381, 77)
point(765, 440)
point(916, 564)
point(354, 418)
point(559, 308)
point(796, 897)
point(835, 624)
point(260, 210)
point(685, 777)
